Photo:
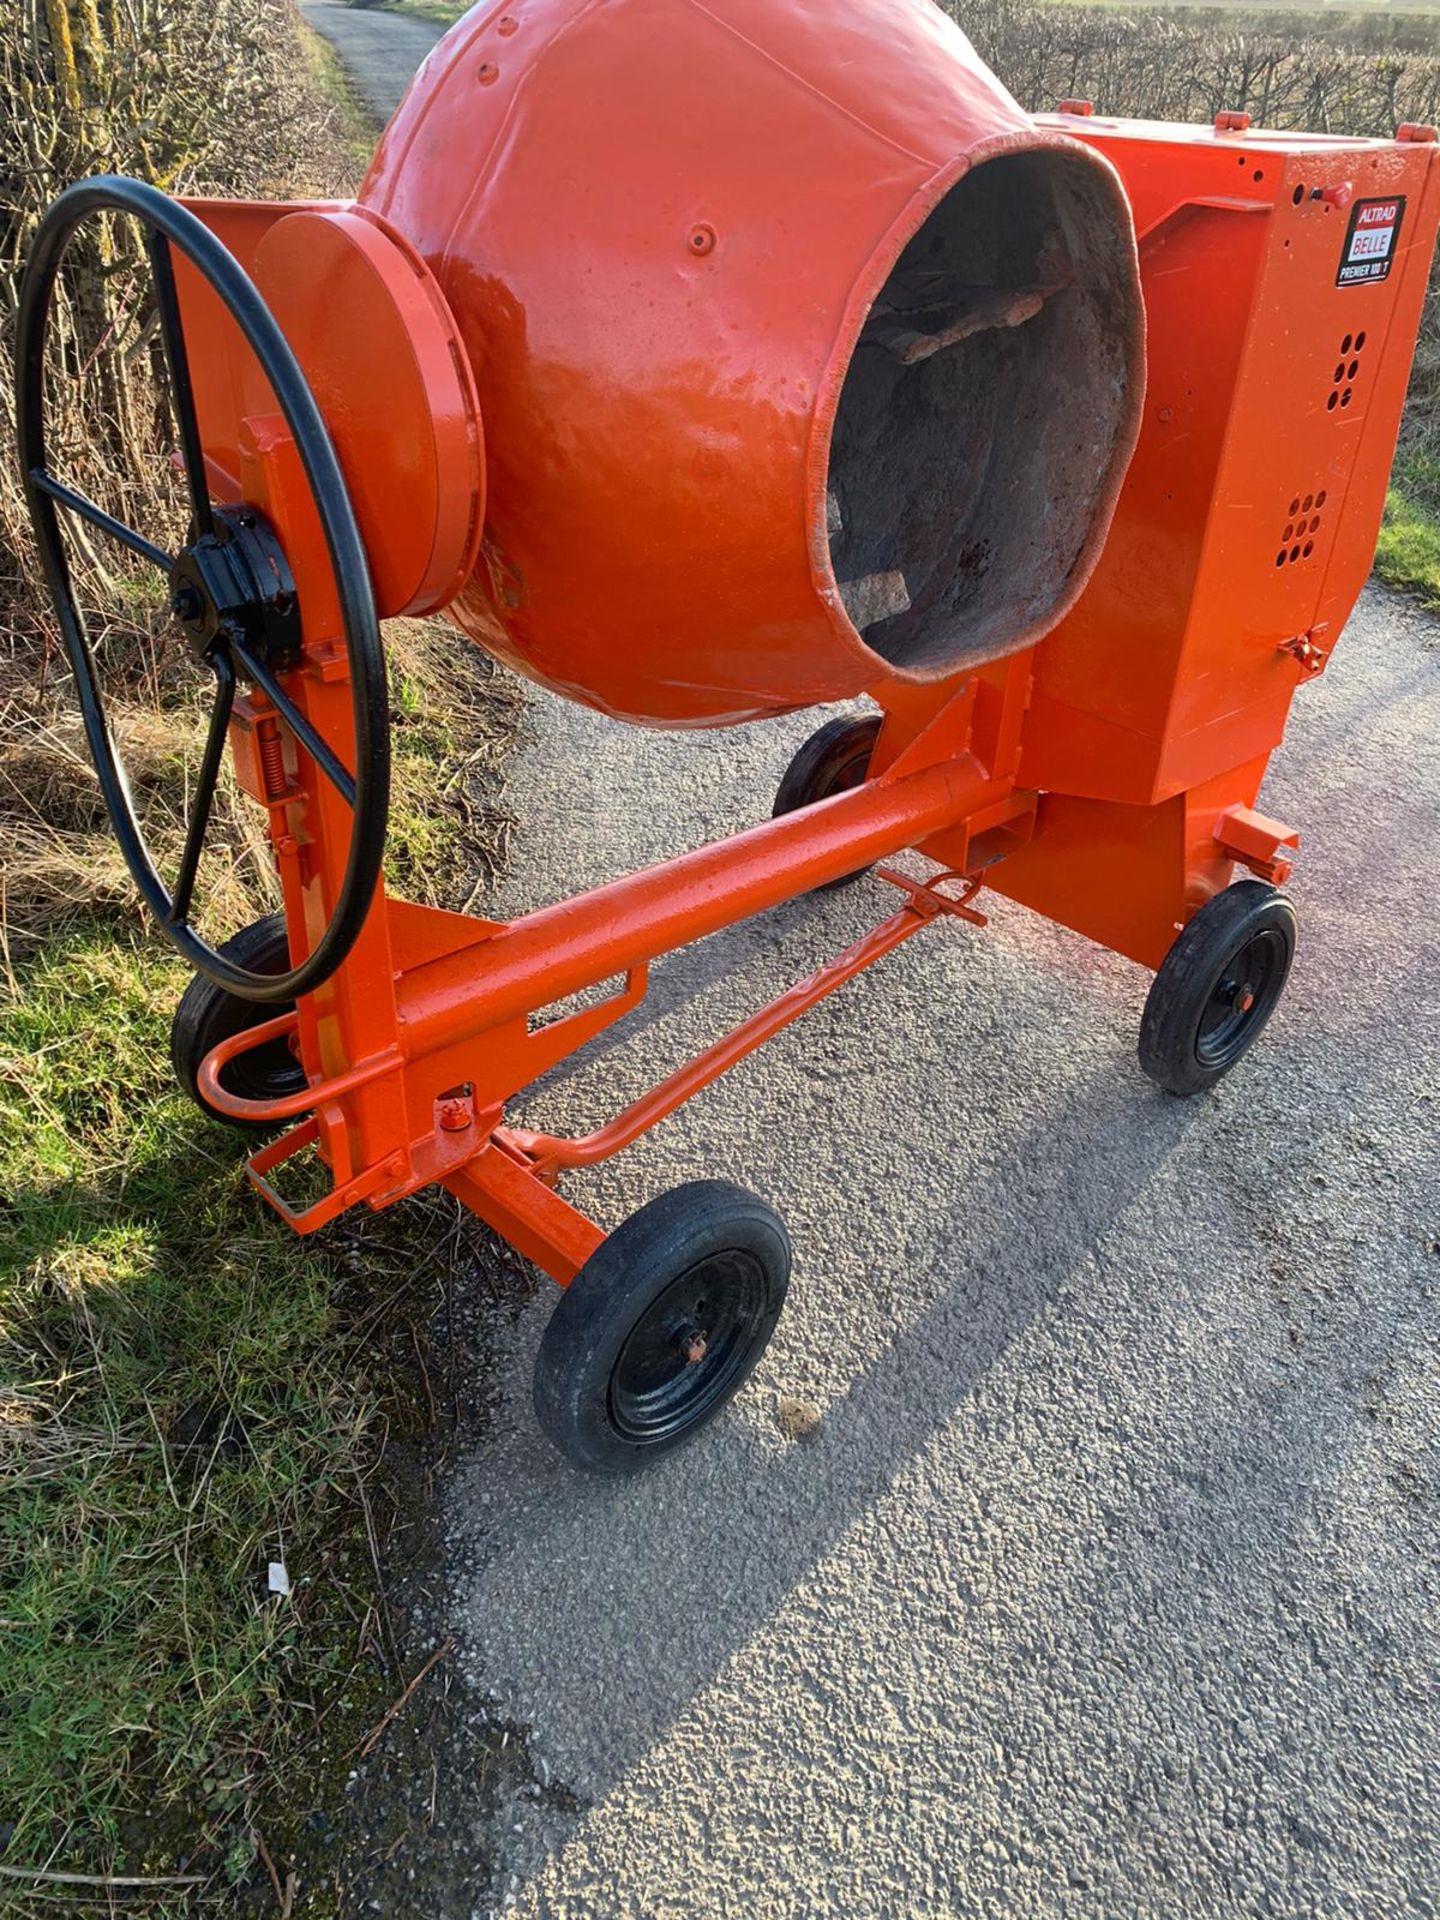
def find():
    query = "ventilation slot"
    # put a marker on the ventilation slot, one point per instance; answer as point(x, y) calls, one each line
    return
point(1302, 526)
point(1347, 372)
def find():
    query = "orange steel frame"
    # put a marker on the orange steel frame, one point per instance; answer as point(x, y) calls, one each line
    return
point(1107, 778)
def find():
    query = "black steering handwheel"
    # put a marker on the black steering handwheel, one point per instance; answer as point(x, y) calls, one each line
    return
point(230, 586)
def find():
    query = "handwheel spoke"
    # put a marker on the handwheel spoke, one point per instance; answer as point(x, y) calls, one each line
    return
point(304, 732)
point(182, 393)
point(204, 798)
point(86, 509)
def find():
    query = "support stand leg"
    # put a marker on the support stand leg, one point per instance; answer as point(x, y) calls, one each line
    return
point(510, 1197)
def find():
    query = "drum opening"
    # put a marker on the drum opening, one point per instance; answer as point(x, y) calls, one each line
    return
point(986, 408)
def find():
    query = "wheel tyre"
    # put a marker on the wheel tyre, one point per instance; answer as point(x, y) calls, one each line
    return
point(207, 1014)
point(614, 1388)
point(835, 759)
point(1217, 987)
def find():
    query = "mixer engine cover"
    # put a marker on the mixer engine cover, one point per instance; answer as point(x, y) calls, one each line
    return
point(806, 358)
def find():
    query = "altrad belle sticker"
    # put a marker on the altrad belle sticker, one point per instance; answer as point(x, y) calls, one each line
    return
point(1371, 241)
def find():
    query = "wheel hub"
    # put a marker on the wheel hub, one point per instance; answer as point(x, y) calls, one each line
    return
point(691, 1343)
point(1239, 999)
point(1239, 994)
point(234, 584)
point(682, 1354)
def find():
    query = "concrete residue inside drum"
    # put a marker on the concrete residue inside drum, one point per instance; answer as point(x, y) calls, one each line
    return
point(995, 348)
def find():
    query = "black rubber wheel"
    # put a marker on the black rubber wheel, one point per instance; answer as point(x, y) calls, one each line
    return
point(661, 1326)
point(1218, 986)
point(208, 1014)
point(835, 759)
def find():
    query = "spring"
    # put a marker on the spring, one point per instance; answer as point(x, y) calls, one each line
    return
point(272, 761)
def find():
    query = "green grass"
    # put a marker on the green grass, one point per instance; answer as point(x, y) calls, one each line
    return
point(173, 1419)
point(188, 1391)
point(1408, 552)
point(444, 12)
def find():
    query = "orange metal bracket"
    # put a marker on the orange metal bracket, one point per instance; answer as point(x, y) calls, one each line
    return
point(342, 1197)
point(547, 1152)
point(1310, 649)
point(1263, 845)
point(522, 1209)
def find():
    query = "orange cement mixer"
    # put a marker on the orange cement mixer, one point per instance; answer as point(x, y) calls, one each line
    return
point(703, 362)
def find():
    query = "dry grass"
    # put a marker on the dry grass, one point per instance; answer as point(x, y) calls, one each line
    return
point(192, 95)
point(233, 96)
point(454, 715)
point(59, 863)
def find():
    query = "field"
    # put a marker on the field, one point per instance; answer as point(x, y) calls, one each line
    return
point(1345, 18)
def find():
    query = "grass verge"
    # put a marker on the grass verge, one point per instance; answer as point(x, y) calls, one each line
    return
point(187, 1392)
point(1408, 552)
point(326, 81)
point(174, 1418)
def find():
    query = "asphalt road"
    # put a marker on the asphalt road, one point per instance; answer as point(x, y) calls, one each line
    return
point(1107, 1583)
point(380, 50)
